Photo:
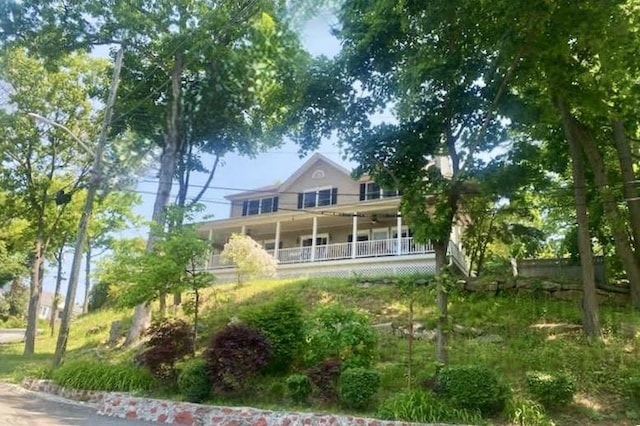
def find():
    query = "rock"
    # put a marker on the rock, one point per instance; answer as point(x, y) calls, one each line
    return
point(115, 332)
point(467, 331)
point(556, 328)
point(386, 327)
point(429, 335)
point(489, 338)
point(549, 286)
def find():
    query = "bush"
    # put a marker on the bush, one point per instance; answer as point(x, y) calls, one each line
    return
point(551, 390)
point(473, 387)
point(324, 377)
point(337, 332)
point(356, 386)
point(299, 388)
point(424, 407)
point(170, 341)
point(92, 375)
point(235, 354)
point(283, 324)
point(193, 381)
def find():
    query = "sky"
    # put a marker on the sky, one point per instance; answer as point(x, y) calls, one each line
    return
point(237, 171)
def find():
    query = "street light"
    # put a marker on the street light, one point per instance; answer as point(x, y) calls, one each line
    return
point(65, 128)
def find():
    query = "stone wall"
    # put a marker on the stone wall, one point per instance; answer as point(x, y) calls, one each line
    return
point(177, 413)
point(47, 386)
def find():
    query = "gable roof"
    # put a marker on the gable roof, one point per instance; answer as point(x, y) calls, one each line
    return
point(314, 159)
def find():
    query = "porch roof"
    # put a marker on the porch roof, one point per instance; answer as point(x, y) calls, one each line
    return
point(298, 220)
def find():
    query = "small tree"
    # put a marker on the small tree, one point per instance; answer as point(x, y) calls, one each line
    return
point(248, 257)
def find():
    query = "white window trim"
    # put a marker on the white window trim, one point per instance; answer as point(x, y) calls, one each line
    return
point(385, 230)
point(317, 191)
point(310, 236)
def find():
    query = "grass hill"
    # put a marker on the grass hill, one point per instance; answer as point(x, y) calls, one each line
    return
point(510, 334)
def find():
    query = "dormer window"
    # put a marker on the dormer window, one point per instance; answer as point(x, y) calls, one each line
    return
point(372, 191)
point(259, 206)
point(317, 198)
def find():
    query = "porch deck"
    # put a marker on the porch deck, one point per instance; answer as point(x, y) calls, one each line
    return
point(374, 257)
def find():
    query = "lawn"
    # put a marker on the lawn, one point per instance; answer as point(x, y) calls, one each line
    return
point(515, 327)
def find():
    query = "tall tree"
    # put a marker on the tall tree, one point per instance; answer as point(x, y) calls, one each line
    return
point(42, 166)
point(214, 76)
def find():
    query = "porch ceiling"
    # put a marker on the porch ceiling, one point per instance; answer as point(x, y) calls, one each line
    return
point(382, 212)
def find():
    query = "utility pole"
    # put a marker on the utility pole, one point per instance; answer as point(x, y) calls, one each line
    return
point(94, 183)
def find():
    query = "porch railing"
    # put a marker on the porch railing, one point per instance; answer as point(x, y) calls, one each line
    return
point(340, 251)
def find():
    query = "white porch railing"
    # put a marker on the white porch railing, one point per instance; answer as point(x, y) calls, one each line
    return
point(339, 251)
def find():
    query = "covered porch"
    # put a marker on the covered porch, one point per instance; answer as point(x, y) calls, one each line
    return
point(372, 240)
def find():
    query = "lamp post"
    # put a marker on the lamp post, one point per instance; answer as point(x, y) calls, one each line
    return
point(65, 128)
point(94, 182)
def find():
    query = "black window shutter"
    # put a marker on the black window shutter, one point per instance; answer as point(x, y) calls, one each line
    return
point(334, 196)
point(245, 204)
point(363, 191)
point(275, 204)
point(300, 200)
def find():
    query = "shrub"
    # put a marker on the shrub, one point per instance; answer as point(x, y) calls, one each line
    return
point(235, 354)
point(356, 386)
point(282, 322)
point(169, 342)
point(337, 332)
point(92, 375)
point(473, 387)
point(424, 407)
point(324, 377)
point(551, 390)
point(249, 258)
point(193, 382)
point(299, 388)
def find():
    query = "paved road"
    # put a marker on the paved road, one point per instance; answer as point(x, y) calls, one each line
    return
point(11, 334)
point(19, 407)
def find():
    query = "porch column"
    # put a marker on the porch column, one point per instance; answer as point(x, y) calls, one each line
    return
point(210, 237)
point(399, 232)
point(243, 230)
point(314, 235)
point(354, 232)
point(277, 243)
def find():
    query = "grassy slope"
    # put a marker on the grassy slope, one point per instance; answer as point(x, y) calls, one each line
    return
point(600, 369)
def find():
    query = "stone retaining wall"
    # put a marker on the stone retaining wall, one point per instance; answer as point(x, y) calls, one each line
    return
point(188, 414)
point(177, 413)
point(47, 386)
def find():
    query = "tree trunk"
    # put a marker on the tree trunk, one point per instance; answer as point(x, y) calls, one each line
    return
point(619, 230)
point(440, 248)
point(87, 278)
point(590, 316)
point(35, 291)
point(56, 294)
point(629, 177)
point(168, 163)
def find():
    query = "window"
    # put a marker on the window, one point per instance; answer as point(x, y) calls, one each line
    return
point(372, 191)
point(271, 245)
point(259, 206)
point(317, 198)
point(307, 240)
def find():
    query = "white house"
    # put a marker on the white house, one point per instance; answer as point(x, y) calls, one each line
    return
point(322, 222)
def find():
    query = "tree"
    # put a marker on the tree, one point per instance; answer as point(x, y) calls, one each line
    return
point(140, 276)
point(422, 63)
point(214, 76)
point(248, 257)
point(43, 166)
